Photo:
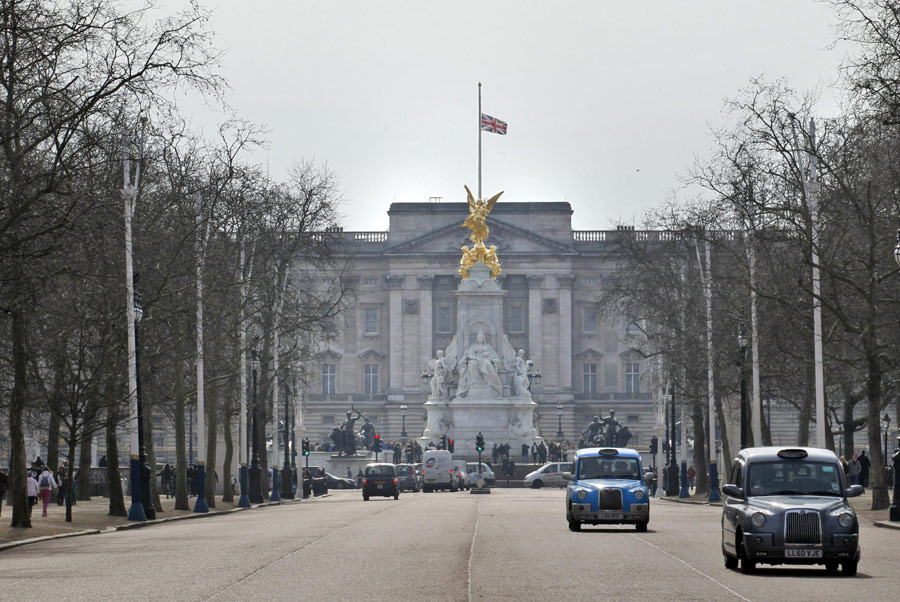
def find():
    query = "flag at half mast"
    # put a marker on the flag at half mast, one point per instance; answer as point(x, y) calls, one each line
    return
point(492, 124)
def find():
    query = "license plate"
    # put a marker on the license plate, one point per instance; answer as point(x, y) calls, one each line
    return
point(381, 486)
point(609, 516)
point(803, 553)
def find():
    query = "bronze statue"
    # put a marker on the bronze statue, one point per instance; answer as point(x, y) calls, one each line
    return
point(477, 223)
point(348, 434)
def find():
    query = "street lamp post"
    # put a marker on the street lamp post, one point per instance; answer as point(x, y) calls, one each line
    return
point(287, 477)
point(149, 508)
point(672, 487)
point(403, 417)
point(742, 344)
point(256, 496)
point(559, 432)
point(886, 424)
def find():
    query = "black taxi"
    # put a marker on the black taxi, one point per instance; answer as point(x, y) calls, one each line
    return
point(789, 506)
point(380, 479)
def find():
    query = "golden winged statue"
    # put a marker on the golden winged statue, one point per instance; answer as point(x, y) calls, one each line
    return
point(477, 223)
point(478, 212)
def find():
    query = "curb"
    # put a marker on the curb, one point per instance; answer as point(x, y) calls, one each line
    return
point(680, 501)
point(887, 524)
point(140, 525)
point(22, 542)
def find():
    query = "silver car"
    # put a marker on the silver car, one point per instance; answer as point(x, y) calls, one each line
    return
point(548, 475)
point(789, 506)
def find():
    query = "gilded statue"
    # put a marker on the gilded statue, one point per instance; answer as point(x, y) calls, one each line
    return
point(476, 222)
point(478, 212)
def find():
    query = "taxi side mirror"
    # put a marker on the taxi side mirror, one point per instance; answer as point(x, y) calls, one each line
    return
point(853, 490)
point(733, 491)
point(567, 476)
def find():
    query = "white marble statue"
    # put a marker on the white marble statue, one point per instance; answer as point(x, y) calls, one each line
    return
point(519, 385)
point(443, 375)
point(478, 366)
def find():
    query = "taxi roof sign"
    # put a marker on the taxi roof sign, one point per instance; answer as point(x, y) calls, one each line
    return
point(608, 451)
point(792, 454)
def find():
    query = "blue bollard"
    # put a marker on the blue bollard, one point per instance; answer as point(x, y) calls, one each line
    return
point(244, 500)
point(136, 511)
point(714, 483)
point(684, 481)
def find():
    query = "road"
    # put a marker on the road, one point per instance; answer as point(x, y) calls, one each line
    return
point(510, 545)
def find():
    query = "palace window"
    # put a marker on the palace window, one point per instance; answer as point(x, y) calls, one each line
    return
point(444, 319)
point(329, 379)
point(517, 318)
point(588, 322)
point(589, 378)
point(371, 384)
point(371, 320)
point(370, 281)
point(632, 377)
point(631, 321)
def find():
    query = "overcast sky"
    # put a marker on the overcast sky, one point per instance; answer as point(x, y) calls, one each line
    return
point(608, 103)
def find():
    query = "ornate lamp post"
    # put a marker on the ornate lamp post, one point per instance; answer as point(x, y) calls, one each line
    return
point(742, 345)
point(672, 487)
point(287, 477)
point(149, 508)
point(403, 417)
point(559, 432)
point(895, 506)
point(885, 424)
point(256, 496)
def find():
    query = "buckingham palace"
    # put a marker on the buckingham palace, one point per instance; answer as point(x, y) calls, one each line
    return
point(404, 307)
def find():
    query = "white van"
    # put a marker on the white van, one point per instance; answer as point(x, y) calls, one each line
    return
point(462, 473)
point(486, 472)
point(438, 471)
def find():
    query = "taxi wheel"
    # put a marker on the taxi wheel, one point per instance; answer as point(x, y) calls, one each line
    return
point(365, 497)
point(574, 525)
point(396, 496)
point(748, 567)
point(831, 567)
point(730, 561)
point(537, 484)
point(641, 527)
point(849, 568)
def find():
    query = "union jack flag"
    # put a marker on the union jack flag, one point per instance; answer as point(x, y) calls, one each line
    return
point(492, 124)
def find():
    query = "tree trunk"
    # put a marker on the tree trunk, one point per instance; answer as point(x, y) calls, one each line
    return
point(17, 461)
point(880, 498)
point(723, 435)
point(227, 493)
point(806, 404)
point(113, 480)
point(84, 465)
point(848, 428)
point(150, 451)
point(70, 476)
point(181, 487)
point(53, 442)
point(212, 415)
point(700, 437)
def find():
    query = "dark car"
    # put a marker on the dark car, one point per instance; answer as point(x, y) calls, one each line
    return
point(336, 482)
point(789, 506)
point(380, 479)
point(407, 479)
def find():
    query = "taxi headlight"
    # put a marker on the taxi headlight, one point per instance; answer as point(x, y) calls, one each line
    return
point(581, 494)
point(758, 519)
point(639, 494)
point(846, 520)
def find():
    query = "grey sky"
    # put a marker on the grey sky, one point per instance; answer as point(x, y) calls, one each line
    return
point(385, 92)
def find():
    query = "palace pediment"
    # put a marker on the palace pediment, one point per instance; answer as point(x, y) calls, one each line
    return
point(509, 239)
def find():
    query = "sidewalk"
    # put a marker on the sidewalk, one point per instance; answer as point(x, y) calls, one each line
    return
point(92, 515)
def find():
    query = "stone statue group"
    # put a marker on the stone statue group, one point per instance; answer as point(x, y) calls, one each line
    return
point(479, 370)
point(347, 440)
point(607, 431)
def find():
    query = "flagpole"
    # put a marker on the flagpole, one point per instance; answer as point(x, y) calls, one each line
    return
point(479, 140)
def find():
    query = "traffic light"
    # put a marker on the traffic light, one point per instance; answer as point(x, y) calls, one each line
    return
point(479, 442)
point(450, 445)
point(443, 442)
point(376, 443)
point(654, 444)
point(306, 447)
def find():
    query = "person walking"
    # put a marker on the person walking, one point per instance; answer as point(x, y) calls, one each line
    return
point(495, 453)
point(167, 476)
point(46, 485)
point(4, 485)
point(691, 474)
point(525, 453)
point(32, 490)
point(855, 469)
point(866, 464)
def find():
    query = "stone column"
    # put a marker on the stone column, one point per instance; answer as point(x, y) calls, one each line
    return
point(535, 332)
point(395, 331)
point(565, 282)
point(426, 322)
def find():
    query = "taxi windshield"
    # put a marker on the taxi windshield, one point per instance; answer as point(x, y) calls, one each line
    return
point(404, 470)
point(794, 478)
point(382, 470)
point(608, 468)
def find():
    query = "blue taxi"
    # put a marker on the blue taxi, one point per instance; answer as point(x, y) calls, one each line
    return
point(607, 488)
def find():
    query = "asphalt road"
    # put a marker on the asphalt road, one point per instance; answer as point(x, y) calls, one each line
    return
point(510, 545)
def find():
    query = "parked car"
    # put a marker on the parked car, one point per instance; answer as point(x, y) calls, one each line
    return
point(407, 479)
point(335, 482)
point(549, 475)
point(789, 506)
point(486, 473)
point(380, 479)
point(607, 488)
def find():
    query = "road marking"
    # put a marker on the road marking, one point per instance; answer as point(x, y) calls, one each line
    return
point(699, 572)
point(472, 552)
point(292, 552)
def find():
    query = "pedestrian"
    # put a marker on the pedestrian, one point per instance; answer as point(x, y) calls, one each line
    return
point(510, 470)
point(534, 453)
point(691, 474)
point(855, 469)
point(31, 489)
point(349, 473)
point(844, 466)
point(4, 485)
point(46, 485)
point(866, 464)
point(61, 479)
point(359, 478)
point(167, 475)
point(495, 453)
point(524, 453)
